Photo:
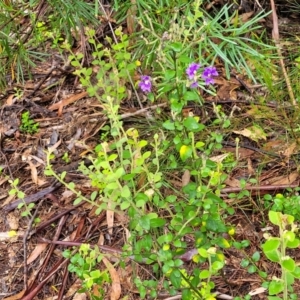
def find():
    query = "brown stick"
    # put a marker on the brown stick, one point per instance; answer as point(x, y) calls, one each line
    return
point(275, 35)
point(259, 188)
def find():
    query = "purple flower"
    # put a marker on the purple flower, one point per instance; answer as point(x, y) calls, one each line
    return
point(208, 74)
point(192, 70)
point(145, 84)
point(194, 85)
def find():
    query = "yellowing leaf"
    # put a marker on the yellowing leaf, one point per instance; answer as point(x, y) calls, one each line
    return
point(254, 133)
point(185, 152)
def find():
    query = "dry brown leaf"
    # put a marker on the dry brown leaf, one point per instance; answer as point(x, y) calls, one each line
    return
point(254, 133)
point(74, 288)
point(257, 291)
point(12, 220)
point(186, 177)
point(8, 200)
point(60, 105)
point(287, 179)
point(245, 16)
point(131, 17)
point(227, 89)
point(33, 172)
point(80, 296)
point(250, 167)
point(116, 286)
point(9, 101)
point(242, 152)
point(11, 236)
point(39, 248)
point(233, 182)
point(289, 150)
point(17, 296)
point(110, 219)
point(219, 158)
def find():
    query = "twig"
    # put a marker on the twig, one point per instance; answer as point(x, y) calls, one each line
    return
point(55, 238)
point(138, 112)
point(32, 198)
point(275, 35)
point(259, 188)
point(26, 235)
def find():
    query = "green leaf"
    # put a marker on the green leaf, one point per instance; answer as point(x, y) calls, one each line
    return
point(126, 192)
point(158, 222)
point(185, 152)
point(296, 272)
point(204, 274)
point(191, 124)
point(256, 256)
point(94, 195)
point(273, 255)
point(63, 175)
point(288, 263)
point(275, 217)
point(251, 269)
point(271, 244)
point(203, 252)
point(95, 274)
point(175, 278)
point(245, 263)
point(166, 238)
point(217, 265)
point(77, 201)
point(190, 96)
point(169, 74)
point(144, 222)
point(289, 236)
point(176, 46)
point(124, 205)
point(169, 125)
point(293, 244)
point(276, 287)
point(112, 186)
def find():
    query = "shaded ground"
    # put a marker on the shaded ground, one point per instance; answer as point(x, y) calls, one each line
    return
point(70, 121)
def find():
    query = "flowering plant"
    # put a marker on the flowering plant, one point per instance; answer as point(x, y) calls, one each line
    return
point(207, 75)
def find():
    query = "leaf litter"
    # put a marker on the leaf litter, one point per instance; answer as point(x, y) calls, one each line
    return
point(77, 119)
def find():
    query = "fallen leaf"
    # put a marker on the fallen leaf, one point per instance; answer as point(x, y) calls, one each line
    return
point(60, 105)
point(257, 291)
point(131, 17)
point(219, 158)
point(110, 220)
point(12, 220)
point(254, 133)
point(9, 101)
point(186, 177)
point(17, 296)
point(250, 167)
point(80, 296)
point(33, 172)
point(233, 182)
point(74, 288)
point(39, 248)
point(116, 286)
point(290, 150)
point(286, 179)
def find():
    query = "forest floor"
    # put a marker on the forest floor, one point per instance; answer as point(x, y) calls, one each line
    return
point(71, 122)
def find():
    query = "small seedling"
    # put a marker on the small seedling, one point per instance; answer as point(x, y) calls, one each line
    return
point(83, 264)
point(275, 250)
point(27, 124)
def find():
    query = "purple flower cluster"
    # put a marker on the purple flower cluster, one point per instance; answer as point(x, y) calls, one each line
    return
point(145, 84)
point(207, 75)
